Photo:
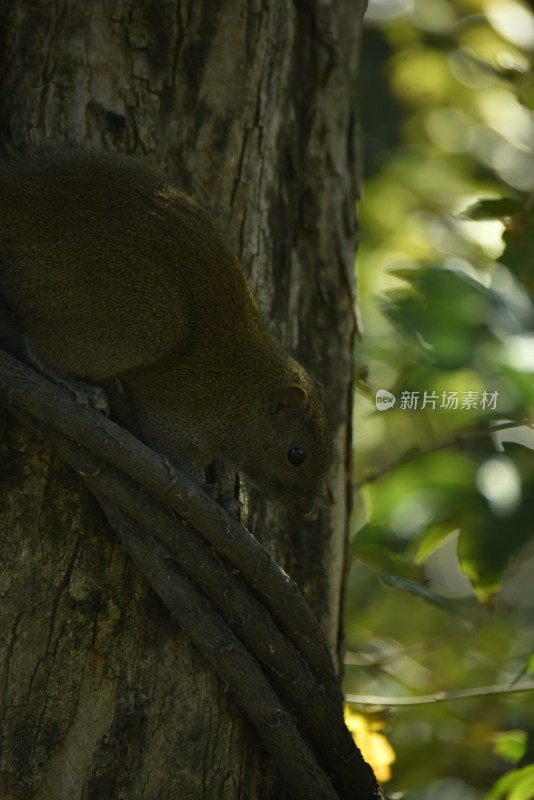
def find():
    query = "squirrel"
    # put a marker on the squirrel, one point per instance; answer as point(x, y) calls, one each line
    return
point(111, 276)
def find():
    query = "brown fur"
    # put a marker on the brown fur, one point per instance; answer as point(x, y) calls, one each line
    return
point(111, 276)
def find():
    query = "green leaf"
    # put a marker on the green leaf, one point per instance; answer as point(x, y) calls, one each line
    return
point(487, 539)
point(515, 785)
point(518, 253)
point(384, 562)
point(510, 745)
point(420, 590)
point(447, 314)
point(499, 208)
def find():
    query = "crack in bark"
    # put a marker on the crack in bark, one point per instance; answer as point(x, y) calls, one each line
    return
point(5, 672)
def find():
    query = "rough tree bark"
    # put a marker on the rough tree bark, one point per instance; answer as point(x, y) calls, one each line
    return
point(249, 106)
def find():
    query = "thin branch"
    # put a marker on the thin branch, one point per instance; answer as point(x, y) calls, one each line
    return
point(458, 442)
point(363, 659)
point(439, 697)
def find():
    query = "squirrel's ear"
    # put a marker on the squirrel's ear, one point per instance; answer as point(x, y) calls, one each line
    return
point(287, 397)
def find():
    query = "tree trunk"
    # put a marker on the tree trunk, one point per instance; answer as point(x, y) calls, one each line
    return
point(250, 107)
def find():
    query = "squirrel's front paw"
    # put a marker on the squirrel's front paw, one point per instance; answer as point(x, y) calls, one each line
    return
point(230, 504)
point(90, 396)
point(85, 394)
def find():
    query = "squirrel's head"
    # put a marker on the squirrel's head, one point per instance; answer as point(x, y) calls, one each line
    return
point(291, 447)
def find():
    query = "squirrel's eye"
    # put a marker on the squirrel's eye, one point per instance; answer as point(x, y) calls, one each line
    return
point(296, 456)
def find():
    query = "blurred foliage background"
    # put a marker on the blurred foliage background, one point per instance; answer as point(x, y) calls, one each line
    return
point(441, 591)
